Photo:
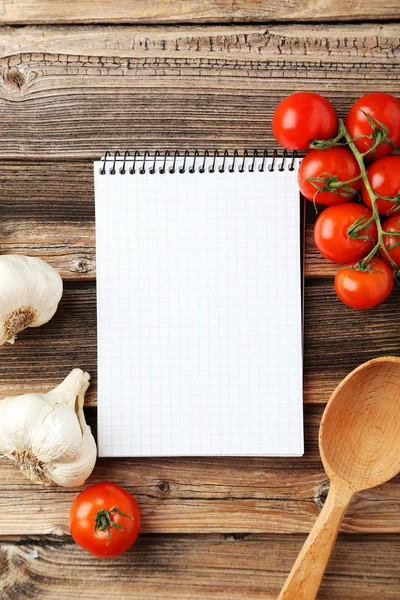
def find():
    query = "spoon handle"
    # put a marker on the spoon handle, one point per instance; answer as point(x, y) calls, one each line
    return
point(308, 570)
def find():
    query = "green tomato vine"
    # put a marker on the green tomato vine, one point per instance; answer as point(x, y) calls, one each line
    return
point(328, 182)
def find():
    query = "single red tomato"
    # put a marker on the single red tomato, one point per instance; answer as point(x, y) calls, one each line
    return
point(336, 161)
point(384, 177)
point(331, 232)
point(364, 289)
point(382, 109)
point(105, 520)
point(303, 117)
point(393, 225)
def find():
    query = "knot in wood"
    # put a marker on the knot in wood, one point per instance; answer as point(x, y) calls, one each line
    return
point(163, 486)
point(83, 265)
point(14, 78)
point(321, 493)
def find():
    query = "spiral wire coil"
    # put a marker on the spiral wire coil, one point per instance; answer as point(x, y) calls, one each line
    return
point(182, 162)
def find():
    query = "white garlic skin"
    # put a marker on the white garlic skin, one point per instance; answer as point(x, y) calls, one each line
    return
point(30, 290)
point(47, 435)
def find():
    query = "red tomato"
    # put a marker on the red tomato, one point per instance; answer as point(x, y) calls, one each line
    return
point(303, 117)
point(384, 177)
point(393, 225)
point(335, 161)
point(380, 107)
point(364, 289)
point(105, 520)
point(332, 239)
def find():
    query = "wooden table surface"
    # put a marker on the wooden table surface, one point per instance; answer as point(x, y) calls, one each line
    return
point(77, 79)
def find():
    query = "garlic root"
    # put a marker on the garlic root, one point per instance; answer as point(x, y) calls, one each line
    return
point(30, 291)
point(47, 435)
point(16, 321)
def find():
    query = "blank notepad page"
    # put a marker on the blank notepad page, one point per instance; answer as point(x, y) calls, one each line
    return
point(199, 311)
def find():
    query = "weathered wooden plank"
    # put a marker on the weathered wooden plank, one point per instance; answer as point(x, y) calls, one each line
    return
point(370, 43)
point(184, 11)
point(206, 494)
point(76, 92)
point(47, 210)
point(337, 339)
point(67, 341)
point(194, 568)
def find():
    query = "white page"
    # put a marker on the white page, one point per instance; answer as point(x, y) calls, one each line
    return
point(199, 312)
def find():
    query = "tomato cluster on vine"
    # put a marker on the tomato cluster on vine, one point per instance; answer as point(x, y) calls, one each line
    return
point(350, 170)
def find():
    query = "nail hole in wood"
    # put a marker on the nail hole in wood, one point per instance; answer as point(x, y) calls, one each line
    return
point(236, 537)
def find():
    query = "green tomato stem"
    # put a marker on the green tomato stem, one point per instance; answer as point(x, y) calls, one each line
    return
point(359, 158)
point(103, 522)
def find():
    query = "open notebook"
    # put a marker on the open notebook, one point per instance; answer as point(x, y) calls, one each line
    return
point(199, 305)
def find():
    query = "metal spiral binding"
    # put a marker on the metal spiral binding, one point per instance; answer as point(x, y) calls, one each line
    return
point(147, 162)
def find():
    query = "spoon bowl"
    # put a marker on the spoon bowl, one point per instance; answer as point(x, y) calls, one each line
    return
point(359, 437)
point(359, 441)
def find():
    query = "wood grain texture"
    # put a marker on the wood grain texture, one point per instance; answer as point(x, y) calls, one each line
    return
point(47, 210)
point(186, 11)
point(201, 567)
point(336, 340)
point(76, 92)
point(73, 92)
point(201, 495)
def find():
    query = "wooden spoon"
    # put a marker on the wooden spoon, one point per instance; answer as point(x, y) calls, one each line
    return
point(359, 441)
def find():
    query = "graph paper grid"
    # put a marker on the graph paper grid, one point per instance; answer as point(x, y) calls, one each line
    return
point(199, 313)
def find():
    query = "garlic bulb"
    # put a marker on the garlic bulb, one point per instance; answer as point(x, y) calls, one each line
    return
point(47, 435)
point(30, 291)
